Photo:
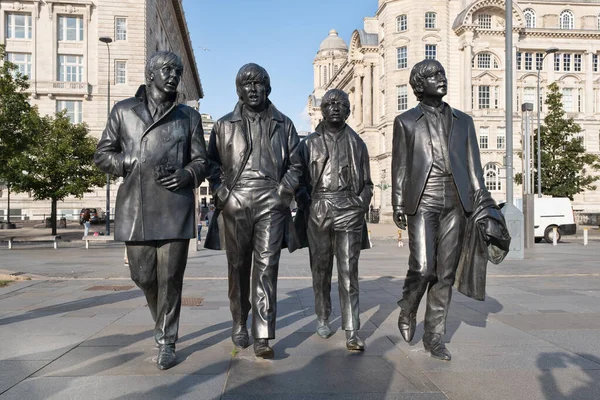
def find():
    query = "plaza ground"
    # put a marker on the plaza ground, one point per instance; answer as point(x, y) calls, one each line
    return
point(80, 329)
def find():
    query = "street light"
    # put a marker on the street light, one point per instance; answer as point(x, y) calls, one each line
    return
point(549, 50)
point(107, 40)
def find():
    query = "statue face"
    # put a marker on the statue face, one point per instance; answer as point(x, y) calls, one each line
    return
point(254, 94)
point(335, 112)
point(166, 78)
point(436, 85)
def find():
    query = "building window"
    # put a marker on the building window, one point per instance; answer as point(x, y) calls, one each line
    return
point(402, 97)
point(325, 77)
point(402, 61)
point(567, 99)
point(335, 69)
point(484, 21)
point(595, 62)
point(567, 20)
point(401, 23)
point(70, 28)
point(577, 62)
point(528, 61)
point(557, 62)
point(496, 97)
point(501, 138)
point(74, 109)
point(484, 97)
point(120, 72)
point(566, 62)
point(21, 60)
point(529, 18)
point(529, 95)
point(491, 173)
point(430, 51)
point(539, 58)
point(18, 26)
point(484, 60)
point(579, 101)
point(598, 22)
point(430, 18)
point(484, 134)
point(120, 28)
point(70, 68)
point(519, 58)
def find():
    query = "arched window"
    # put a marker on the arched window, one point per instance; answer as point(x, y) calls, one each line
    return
point(491, 173)
point(486, 61)
point(567, 20)
point(529, 18)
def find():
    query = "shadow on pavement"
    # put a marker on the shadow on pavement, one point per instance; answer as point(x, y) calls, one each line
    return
point(551, 386)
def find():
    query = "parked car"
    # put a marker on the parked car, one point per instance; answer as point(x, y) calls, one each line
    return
point(96, 215)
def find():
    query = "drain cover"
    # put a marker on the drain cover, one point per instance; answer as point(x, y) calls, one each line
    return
point(111, 288)
point(191, 301)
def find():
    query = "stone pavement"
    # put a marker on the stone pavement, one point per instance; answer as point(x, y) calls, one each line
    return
point(535, 336)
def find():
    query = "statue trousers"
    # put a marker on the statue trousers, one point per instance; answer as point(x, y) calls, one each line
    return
point(254, 220)
point(335, 228)
point(435, 240)
point(157, 267)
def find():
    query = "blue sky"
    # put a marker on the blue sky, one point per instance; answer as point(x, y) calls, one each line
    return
point(281, 35)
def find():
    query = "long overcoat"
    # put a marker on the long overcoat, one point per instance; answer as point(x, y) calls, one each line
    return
point(412, 159)
point(229, 149)
point(314, 155)
point(134, 146)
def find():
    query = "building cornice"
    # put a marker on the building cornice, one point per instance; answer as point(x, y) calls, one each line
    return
point(187, 44)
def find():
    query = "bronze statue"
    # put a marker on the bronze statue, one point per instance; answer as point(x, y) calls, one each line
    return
point(437, 182)
point(333, 199)
point(252, 149)
point(158, 147)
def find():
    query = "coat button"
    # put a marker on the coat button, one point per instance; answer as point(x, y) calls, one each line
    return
point(241, 154)
point(143, 159)
point(167, 139)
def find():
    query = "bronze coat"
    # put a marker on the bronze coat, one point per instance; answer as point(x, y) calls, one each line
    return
point(412, 159)
point(132, 145)
point(314, 155)
point(229, 148)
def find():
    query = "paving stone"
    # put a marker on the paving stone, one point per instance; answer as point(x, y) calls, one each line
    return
point(552, 321)
point(14, 371)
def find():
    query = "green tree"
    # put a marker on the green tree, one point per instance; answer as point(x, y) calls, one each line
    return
point(17, 118)
point(59, 163)
point(564, 160)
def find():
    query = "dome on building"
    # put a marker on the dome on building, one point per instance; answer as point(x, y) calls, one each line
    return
point(333, 42)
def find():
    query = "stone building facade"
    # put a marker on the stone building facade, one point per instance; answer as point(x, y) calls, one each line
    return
point(56, 43)
point(468, 38)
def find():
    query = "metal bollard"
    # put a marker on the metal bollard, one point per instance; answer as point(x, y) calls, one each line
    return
point(400, 244)
point(585, 236)
point(555, 231)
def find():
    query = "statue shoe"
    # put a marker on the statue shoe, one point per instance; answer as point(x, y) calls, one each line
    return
point(262, 349)
point(433, 344)
point(353, 341)
point(324, 329)
point(166, 356)
point(407, 322)
point(239, 336)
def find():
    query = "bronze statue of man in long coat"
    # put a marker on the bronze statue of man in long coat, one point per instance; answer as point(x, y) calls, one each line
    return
point(158, 147)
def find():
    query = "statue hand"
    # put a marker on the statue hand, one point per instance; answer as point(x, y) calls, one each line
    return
point(177, 180)
point(400, 219)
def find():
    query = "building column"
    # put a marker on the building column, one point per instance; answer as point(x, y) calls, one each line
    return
point(467, 70)
point(589, 82)
point(376, 95)
point(358, 117)
point(368, 95)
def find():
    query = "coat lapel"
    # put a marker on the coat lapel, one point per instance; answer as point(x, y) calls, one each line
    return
point(142, 112)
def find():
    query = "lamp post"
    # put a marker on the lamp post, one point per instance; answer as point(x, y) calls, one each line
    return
point(107, 40)
point(550, 50)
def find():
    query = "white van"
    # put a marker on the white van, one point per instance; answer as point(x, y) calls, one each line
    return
point(550, 212)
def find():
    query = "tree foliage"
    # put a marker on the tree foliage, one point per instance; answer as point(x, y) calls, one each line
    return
point(564, 160)
point(59, 163)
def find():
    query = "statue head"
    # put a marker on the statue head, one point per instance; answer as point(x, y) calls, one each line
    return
point(163, 71)
point(428, 79)
point(335, 107)
point(253, 86)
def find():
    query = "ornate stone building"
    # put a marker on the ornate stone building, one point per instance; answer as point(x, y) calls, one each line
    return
point(56, 43)
point(468, 39)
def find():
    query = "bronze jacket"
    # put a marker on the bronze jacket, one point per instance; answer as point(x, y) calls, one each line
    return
point(314, 155)
point(132, 146)
point(229, 149)
point(412, 158)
